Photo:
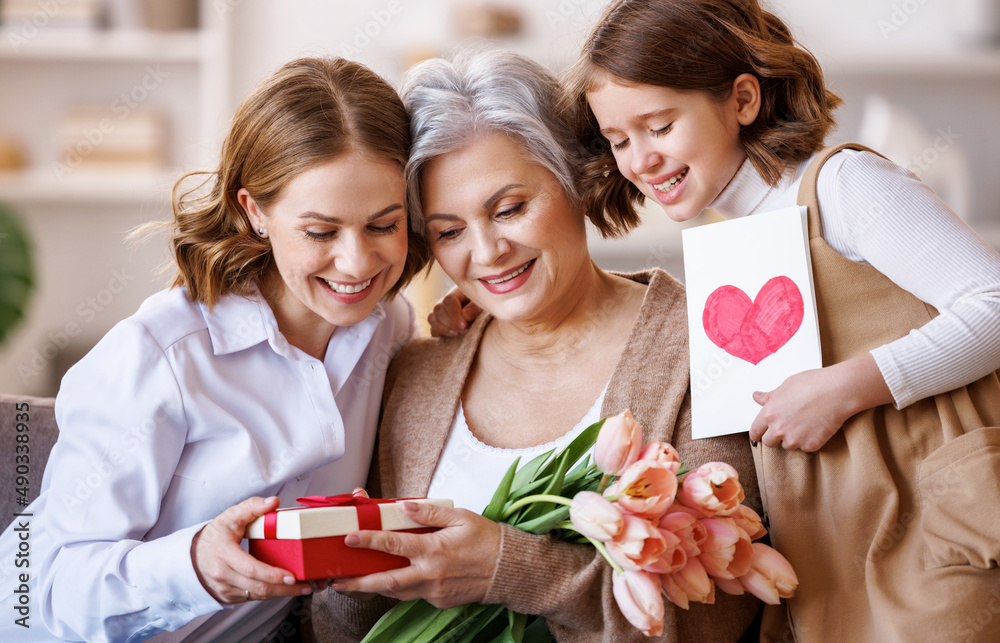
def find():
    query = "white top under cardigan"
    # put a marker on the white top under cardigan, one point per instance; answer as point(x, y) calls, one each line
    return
point(176, 415)
point(469, 471)
point(876, 212)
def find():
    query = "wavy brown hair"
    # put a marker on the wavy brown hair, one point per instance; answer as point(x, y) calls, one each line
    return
point(308, 112)
point(699, 45)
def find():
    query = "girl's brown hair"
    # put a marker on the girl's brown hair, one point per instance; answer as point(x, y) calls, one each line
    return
point(310, 111)
point(699, 45)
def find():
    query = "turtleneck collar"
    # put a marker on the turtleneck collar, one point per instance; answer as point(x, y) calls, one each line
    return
point(747, 192)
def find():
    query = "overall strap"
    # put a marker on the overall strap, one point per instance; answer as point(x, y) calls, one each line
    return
point(807, 188)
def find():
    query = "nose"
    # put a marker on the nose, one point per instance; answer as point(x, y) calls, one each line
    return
point(489, 244)
point(643, 157)
point(355, 256)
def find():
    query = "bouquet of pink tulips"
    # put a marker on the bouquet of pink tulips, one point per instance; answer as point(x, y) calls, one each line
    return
point(665, 531)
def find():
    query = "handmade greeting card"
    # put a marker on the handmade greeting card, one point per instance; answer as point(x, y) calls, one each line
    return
point(751, 314)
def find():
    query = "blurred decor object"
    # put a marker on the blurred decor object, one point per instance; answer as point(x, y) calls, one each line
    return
point(112, 139)
point(12, 155)
point(17, 272)
point(977, 22)
point(935, 157)
point(487, 20)
point(77, 14)
point(169, 15)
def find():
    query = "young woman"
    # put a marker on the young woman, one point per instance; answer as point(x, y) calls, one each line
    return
point(255, 379)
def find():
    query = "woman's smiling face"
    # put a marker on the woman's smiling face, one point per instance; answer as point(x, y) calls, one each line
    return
point(680, 148)
point(338, 234)
point(502, 228)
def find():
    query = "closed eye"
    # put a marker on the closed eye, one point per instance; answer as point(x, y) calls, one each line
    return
point(511, 211)
point(663, 130)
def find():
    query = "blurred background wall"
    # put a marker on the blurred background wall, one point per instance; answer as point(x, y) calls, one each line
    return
point(105, 103)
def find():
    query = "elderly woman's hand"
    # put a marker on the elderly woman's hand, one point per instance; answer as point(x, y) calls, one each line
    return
point(449, 567)
point(230, 574)
point(452, 315)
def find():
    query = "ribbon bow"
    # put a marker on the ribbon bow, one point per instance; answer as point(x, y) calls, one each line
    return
point(369, 516)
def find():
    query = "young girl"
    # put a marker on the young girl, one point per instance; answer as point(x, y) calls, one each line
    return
point(878, 472)
point(258, 375)
point(891, 524)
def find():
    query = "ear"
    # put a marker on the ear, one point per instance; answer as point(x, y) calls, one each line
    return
point(253, 212)
point(746, 93)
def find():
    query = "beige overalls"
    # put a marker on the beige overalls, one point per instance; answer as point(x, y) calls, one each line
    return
point(893, 527)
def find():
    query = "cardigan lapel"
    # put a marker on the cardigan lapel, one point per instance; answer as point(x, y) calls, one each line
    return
point(421, 439)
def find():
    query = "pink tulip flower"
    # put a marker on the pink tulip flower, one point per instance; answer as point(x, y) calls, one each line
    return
point(748, 520)
point(639, 599)
point(662, 452)
point(770, 577)
point(730, 586)
point(688, 529)
point(646, 488)
point(618, 443)
point(673, 557)
point(595, 516)
point(639, 544)
point(690, 584)
point(727, 550)
point(713, 488)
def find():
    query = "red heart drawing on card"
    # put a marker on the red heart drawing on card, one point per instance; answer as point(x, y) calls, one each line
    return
point(752, 330)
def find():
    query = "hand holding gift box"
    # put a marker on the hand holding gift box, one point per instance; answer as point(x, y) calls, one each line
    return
point(309, 540)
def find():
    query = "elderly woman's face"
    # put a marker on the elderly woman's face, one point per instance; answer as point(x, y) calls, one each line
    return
point(502, 228)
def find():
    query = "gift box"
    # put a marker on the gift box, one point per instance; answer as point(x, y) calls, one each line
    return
point(309, 540)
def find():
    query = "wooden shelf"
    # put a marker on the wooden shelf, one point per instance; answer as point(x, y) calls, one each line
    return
point(913, 63)
point(87, 187)
point(101, 45)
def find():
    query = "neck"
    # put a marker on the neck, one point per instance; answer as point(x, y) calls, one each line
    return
point(569, 325)
point(304, 329)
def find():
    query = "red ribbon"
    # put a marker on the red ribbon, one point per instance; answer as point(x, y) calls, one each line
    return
point(369, 516)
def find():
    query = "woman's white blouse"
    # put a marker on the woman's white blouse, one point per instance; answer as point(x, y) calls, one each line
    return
point(176, 415)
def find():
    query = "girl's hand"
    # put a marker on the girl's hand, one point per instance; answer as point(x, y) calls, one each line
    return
point(228, 572)
point(810, 407)
point(449, 567)
point(452, 315)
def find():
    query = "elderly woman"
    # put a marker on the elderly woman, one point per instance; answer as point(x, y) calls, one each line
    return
point(259, 374)
point(492, 183)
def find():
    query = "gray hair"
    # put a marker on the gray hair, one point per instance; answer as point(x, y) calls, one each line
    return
point(453, 101)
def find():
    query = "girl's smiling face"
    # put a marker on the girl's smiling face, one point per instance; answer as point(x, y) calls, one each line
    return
point(680, 148)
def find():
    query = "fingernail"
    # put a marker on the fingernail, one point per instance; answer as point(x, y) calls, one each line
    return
point(336, 586)
point(410, 506)
point(351, 540)
point(289, 580)
point(753, 443)
point(307, 590)
point(462, 325)
point(452, 333)
point(271, 499)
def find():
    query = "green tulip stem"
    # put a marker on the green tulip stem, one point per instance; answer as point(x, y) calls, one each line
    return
point(542, 497)
point(596, 543)
point(605, 479)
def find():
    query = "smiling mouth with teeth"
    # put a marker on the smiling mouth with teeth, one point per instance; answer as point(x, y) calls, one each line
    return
point(511, 275)
point(672, 182)
point(347, 289)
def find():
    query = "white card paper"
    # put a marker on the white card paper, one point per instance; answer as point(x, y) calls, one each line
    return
point(751, 314)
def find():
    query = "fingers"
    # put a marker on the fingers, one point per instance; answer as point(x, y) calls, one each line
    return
point(452, 315)
point(359, 492)
point(758, 427)
point(226, 571)
point(471, 311)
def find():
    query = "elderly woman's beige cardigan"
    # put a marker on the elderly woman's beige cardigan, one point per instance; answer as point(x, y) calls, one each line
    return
point(570, 585)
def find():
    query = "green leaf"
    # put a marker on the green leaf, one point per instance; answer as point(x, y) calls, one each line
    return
point(515, 626)
point(494, 510)
point(579, 446)
point(445, 620)
point(528, 489)
point(528, 471)
point(538, 632)
point(394, 623)
point(546, 522)
point(471, 630)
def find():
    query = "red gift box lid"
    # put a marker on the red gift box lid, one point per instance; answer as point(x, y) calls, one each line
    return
point(325, 516)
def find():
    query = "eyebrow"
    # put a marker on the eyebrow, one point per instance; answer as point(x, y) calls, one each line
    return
point(641, 118)
point(489, 203)
point(328, 219)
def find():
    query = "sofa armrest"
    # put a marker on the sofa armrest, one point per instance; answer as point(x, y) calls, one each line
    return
point(37, 414)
